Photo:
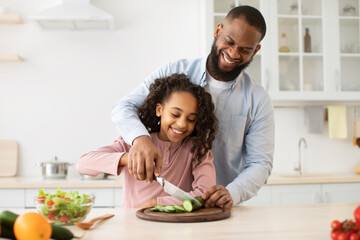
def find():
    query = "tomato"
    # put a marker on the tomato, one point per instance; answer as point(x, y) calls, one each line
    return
point(50, 203)
point(354, 236)
point(334, 235)
point(51, 216)
point(335, 224)
point(64, 219)
point(357, 215)
point(41, 199)
point(342, 236)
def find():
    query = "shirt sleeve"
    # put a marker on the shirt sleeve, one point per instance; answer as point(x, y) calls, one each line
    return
point(125, 113)
point(258, 154)
point(103, 160)
point(204, 177)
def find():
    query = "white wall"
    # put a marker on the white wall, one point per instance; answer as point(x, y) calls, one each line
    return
point(58, 101)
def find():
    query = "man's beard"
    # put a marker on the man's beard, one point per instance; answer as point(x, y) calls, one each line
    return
point(213, 66)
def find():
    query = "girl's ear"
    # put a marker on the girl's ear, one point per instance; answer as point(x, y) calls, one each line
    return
point(158, 109)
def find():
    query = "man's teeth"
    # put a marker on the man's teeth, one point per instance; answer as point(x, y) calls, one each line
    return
point(177, 131)
point(227, 60)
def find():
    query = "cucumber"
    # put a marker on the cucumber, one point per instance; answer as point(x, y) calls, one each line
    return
point(201, 200)
point(188, 205)
point(154, 209)
point(179, 208)
point(7, 233)
point(7, 220)
point(169, 209)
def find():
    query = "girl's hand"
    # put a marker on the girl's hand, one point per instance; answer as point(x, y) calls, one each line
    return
point(149, 204)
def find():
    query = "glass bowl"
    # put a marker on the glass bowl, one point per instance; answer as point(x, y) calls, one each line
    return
point(60, 210)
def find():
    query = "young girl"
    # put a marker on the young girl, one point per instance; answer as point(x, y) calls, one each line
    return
point(180, 119)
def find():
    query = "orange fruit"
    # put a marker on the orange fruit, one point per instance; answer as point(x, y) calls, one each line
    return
point(32, 226)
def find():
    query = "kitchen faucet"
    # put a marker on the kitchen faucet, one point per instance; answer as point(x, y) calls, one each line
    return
point(298, 168)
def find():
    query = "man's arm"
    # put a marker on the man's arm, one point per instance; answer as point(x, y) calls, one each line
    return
point(258, 154)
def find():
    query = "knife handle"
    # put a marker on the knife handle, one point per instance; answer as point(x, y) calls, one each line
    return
point(154, 177)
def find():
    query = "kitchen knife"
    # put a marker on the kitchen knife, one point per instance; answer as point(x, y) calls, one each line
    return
point(175, 191)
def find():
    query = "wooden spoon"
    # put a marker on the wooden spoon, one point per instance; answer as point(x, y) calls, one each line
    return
point(87, 225)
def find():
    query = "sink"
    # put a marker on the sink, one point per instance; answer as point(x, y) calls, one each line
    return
point(304, 175)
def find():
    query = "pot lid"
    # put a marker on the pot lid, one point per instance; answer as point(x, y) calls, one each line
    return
point(55, 160)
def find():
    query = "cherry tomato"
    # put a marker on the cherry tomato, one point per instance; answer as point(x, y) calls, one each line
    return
point(64, 219)
point(354, 236)
point(51, 216)
point(357, 215)
point(335, 224)
point(334, 235)
point(342, 236)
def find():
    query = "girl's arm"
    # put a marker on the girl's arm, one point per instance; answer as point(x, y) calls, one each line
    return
point(108, 159)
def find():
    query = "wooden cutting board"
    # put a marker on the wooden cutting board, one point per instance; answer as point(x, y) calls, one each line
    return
point(201, 215)
point(8, 158)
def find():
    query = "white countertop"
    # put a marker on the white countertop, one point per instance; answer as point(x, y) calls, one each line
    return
point(246, 222)
point(116, 182)
point(280, 179)
point(69, 182)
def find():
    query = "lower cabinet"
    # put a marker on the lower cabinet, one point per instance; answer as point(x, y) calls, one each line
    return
point(306, 194)
point(24, 198)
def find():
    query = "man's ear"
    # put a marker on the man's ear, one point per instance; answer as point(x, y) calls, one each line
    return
point(257, 49)
point(218, 30)
point(158, 109)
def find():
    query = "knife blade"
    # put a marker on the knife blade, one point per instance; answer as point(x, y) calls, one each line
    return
point(175, 191)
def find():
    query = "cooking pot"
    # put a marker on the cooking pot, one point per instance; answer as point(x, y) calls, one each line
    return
point(54, 168)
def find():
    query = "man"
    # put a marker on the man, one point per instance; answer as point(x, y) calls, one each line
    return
point(244, 145)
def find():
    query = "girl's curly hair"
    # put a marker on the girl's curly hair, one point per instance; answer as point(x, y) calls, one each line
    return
point(206, 125)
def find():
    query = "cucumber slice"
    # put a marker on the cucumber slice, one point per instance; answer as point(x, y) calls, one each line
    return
point(179, 208)
point(158, 207)
point(188, 206)
point(154, 209)
point(169, 209)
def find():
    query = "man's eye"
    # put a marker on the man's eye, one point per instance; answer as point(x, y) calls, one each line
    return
point(228, 41)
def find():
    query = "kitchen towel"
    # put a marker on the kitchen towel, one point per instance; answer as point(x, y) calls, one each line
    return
point(314, 119)
point(337, 122)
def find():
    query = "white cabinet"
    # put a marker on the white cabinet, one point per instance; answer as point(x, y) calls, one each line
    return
point(306, 194)
point(328, 72)
point(12, 198)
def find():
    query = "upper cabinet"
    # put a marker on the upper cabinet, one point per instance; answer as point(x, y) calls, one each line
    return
point(311, 50)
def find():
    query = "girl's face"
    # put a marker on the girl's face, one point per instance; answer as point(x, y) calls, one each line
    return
point(178, 116)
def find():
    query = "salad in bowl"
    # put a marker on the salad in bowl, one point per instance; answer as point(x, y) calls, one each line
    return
point(64, 207)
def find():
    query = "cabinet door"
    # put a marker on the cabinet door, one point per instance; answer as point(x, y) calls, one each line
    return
point(263, 197)
point(341, 192)
point(297, 40)
point(296, 194)
point(104, 197)
point(12, 198)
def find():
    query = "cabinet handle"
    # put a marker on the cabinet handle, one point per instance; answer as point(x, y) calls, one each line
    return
point(337, 81)
point(317, 198)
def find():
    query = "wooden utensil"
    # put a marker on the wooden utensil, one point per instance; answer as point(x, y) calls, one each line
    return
point(87, 225)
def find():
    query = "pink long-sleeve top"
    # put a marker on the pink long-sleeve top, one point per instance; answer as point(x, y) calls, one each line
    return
point(193, 176)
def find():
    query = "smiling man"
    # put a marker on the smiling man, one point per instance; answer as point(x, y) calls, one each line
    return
point(244, 145)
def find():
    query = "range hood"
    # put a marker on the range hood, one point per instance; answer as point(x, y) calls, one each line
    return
point(74, 15)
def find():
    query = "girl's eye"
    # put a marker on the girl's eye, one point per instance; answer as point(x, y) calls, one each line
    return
point(191, 120)
point(174, 115)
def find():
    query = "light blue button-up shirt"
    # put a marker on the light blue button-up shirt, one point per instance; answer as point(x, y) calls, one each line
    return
point(244, 145)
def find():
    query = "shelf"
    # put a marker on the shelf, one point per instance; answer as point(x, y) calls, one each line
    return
point(10, 18)
point(10, 58)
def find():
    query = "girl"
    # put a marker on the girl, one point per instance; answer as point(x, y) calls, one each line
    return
point(180, 119)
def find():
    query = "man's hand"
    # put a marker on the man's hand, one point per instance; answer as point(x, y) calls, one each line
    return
point(150, 203)
point(144, 159)
point(218, 196)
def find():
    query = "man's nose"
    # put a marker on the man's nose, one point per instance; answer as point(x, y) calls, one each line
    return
point(234, 53)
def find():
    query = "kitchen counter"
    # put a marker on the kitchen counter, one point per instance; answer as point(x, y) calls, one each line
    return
point(70, 182)
point(280, 179)
point(256, 222)
point(116, 181)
